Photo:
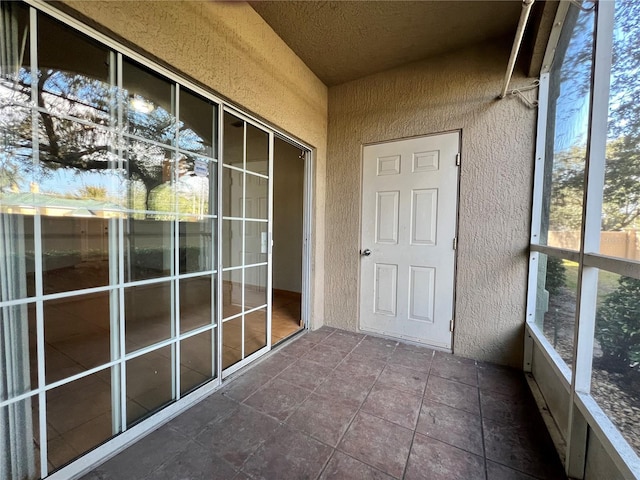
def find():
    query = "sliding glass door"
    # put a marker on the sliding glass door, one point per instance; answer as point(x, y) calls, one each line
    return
point(108, 242)
point(246, 242)
point(135, 247)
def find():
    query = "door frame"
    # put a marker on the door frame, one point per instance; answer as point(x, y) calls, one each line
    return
point(459, 131)
point(307, 226)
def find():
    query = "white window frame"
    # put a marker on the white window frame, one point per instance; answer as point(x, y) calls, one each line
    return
point(584, 412)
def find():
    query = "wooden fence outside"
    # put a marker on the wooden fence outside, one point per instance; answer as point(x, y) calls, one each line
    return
point(615, 244)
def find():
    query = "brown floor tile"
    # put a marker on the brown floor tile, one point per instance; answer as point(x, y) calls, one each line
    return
point(377, 442)
point(306, 374)
point(297, 347)
point(434, 460)
point(288, 455)
point(324, 418)
point(412, 348)
point(403, 378)
point(386, 343)
point(411, 359)
point(143, 457)
point(278, 398)
point(459, 369)
point(457, 395)
point(194, 463)
point(272, 365)
point(241, 476)
point(396, 406)
point(352, 390)
point(241, 387)
point(496, 471)
point(507, 407)
point(354, 366)
point(325, 355)
point(343, 467)
point(366, 352)
point(523, 448)
point(211, 409)
point(343, 341)
point(373, 351)
point(238, 436)
point(402, 384)
point(496, 378)
point(452, 426)
point(319, 335)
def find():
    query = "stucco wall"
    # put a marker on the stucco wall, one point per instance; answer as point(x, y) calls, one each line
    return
point(228, 47)
point(454, 91)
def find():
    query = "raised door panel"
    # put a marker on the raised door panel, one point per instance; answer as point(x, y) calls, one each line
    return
point(386, 289)
point(424, 214)
point(387, 213)
point(422, 287)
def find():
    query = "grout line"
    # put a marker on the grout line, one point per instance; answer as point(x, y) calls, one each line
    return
point(335, 448)
point(359, 409)
point(484, 447)
point(413, 437)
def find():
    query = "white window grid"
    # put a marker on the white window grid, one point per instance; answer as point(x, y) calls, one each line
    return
point(243, 219)
point(116, 289)
point(584, 412)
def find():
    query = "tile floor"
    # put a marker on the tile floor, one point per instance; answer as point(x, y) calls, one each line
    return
point(338, 405)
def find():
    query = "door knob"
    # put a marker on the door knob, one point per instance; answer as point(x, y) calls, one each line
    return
point(365, 253)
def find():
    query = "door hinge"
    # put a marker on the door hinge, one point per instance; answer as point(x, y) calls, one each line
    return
point(457, 159)
point(451, 325)
point(455, 243)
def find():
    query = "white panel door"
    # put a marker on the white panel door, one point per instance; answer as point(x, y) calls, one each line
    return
point(409, 211)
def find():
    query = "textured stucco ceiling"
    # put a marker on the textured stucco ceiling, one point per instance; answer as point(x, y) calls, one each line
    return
point(344, 40)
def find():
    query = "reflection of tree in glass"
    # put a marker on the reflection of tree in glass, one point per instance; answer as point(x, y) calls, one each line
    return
point(624, 104)
point(158, 125)
point(84, 147)
point(621, 202)
point(9, 175)
point(567, 183)
point(75, 95)
point(575, 72)
point(94, 192)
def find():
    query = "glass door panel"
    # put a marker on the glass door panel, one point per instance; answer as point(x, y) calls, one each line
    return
point(255, 330)
point(149, 383)
point(196, 366)
point(108, 241)
point(231, 342)
point(245, 239)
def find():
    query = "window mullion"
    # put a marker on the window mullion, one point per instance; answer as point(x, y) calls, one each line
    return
point(217, 357)
point(594, 183)
point(590, 241)
point(536, 214)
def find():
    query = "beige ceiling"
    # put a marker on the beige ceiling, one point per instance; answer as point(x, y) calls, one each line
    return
point(344, 40)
